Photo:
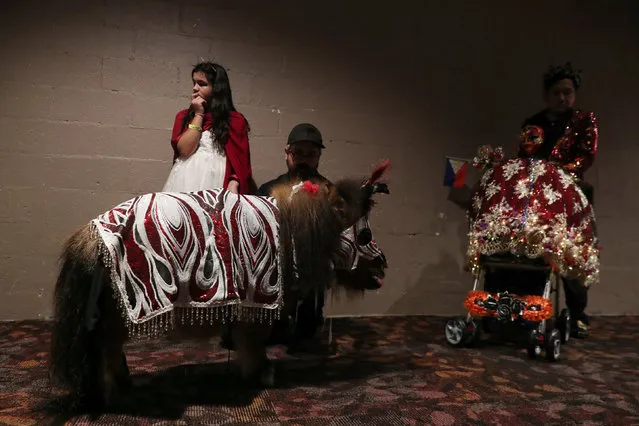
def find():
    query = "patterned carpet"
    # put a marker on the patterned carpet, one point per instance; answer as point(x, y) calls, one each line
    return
point(387, 371)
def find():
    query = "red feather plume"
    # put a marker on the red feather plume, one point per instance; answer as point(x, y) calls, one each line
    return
point(379, 172)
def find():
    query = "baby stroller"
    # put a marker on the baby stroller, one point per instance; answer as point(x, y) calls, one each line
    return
point(518, 291)
point(529, 222)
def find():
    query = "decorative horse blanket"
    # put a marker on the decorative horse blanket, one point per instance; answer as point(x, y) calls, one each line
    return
point(532, 208)
point(202, 251)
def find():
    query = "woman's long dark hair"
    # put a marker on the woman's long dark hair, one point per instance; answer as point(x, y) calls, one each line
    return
point(221, 103)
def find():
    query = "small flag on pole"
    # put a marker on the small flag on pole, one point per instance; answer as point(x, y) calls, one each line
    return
point(455, 174)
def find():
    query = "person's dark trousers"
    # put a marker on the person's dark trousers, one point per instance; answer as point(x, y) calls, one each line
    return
point(309, 316)
point(576, 293)
point(576, 299)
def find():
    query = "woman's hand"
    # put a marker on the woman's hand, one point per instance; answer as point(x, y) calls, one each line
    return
point(233, 187)
point(198, 103)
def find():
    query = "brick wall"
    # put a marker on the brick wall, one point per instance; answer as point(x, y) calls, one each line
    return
point(89, 90)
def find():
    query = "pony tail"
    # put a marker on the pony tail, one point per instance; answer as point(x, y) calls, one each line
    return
point(71, 348)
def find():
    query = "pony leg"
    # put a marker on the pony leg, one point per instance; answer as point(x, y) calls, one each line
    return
point(123, 375)
point(97, 386)
point(249, 340)
point(117, 377)
point(115, 333)
point(109, 371)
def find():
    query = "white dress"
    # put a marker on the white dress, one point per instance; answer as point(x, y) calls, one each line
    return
point(204, 169)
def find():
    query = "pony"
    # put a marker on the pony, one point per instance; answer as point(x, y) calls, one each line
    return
point(200, 264)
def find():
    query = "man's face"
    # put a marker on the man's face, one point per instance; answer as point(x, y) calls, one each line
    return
point(561, 96)
point(303, 153)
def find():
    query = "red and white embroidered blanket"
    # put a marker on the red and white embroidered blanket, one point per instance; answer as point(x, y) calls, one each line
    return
point(202, 249)
point(532, 208)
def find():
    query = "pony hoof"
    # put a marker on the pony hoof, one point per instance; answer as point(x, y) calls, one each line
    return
point(267, 377)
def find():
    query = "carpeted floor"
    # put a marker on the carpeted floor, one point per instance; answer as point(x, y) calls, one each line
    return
point(387, 371)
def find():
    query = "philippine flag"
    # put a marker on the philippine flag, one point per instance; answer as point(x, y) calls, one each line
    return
point(455, 174)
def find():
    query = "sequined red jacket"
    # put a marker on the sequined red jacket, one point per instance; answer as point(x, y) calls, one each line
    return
point(574, 149)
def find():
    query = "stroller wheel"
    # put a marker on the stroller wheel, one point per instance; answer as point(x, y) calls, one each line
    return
point(564, 325)
point(456, 333)
point(553, 345)
point(535, 340)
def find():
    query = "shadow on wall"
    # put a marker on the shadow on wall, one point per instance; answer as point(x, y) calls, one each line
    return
point(439, 290)
point(442, 285)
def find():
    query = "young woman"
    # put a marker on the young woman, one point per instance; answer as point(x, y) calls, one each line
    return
point(210, 138)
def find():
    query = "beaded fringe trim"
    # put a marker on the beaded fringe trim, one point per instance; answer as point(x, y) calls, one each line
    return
point(196, 316)
point(164, 321)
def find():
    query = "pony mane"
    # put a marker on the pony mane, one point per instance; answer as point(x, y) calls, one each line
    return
point(310, 227)
point(358, 195)
point(356, 204)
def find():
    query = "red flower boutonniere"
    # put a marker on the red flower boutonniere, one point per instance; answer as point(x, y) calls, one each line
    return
point(310, 187)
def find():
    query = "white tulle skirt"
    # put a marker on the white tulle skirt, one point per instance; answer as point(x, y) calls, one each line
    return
point(204, 169)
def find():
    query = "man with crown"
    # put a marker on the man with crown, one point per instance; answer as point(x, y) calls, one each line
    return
point(567, 137)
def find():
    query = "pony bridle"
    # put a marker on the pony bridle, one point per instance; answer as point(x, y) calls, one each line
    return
point(357, 243)
point(352, 249)
point(371, 189)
